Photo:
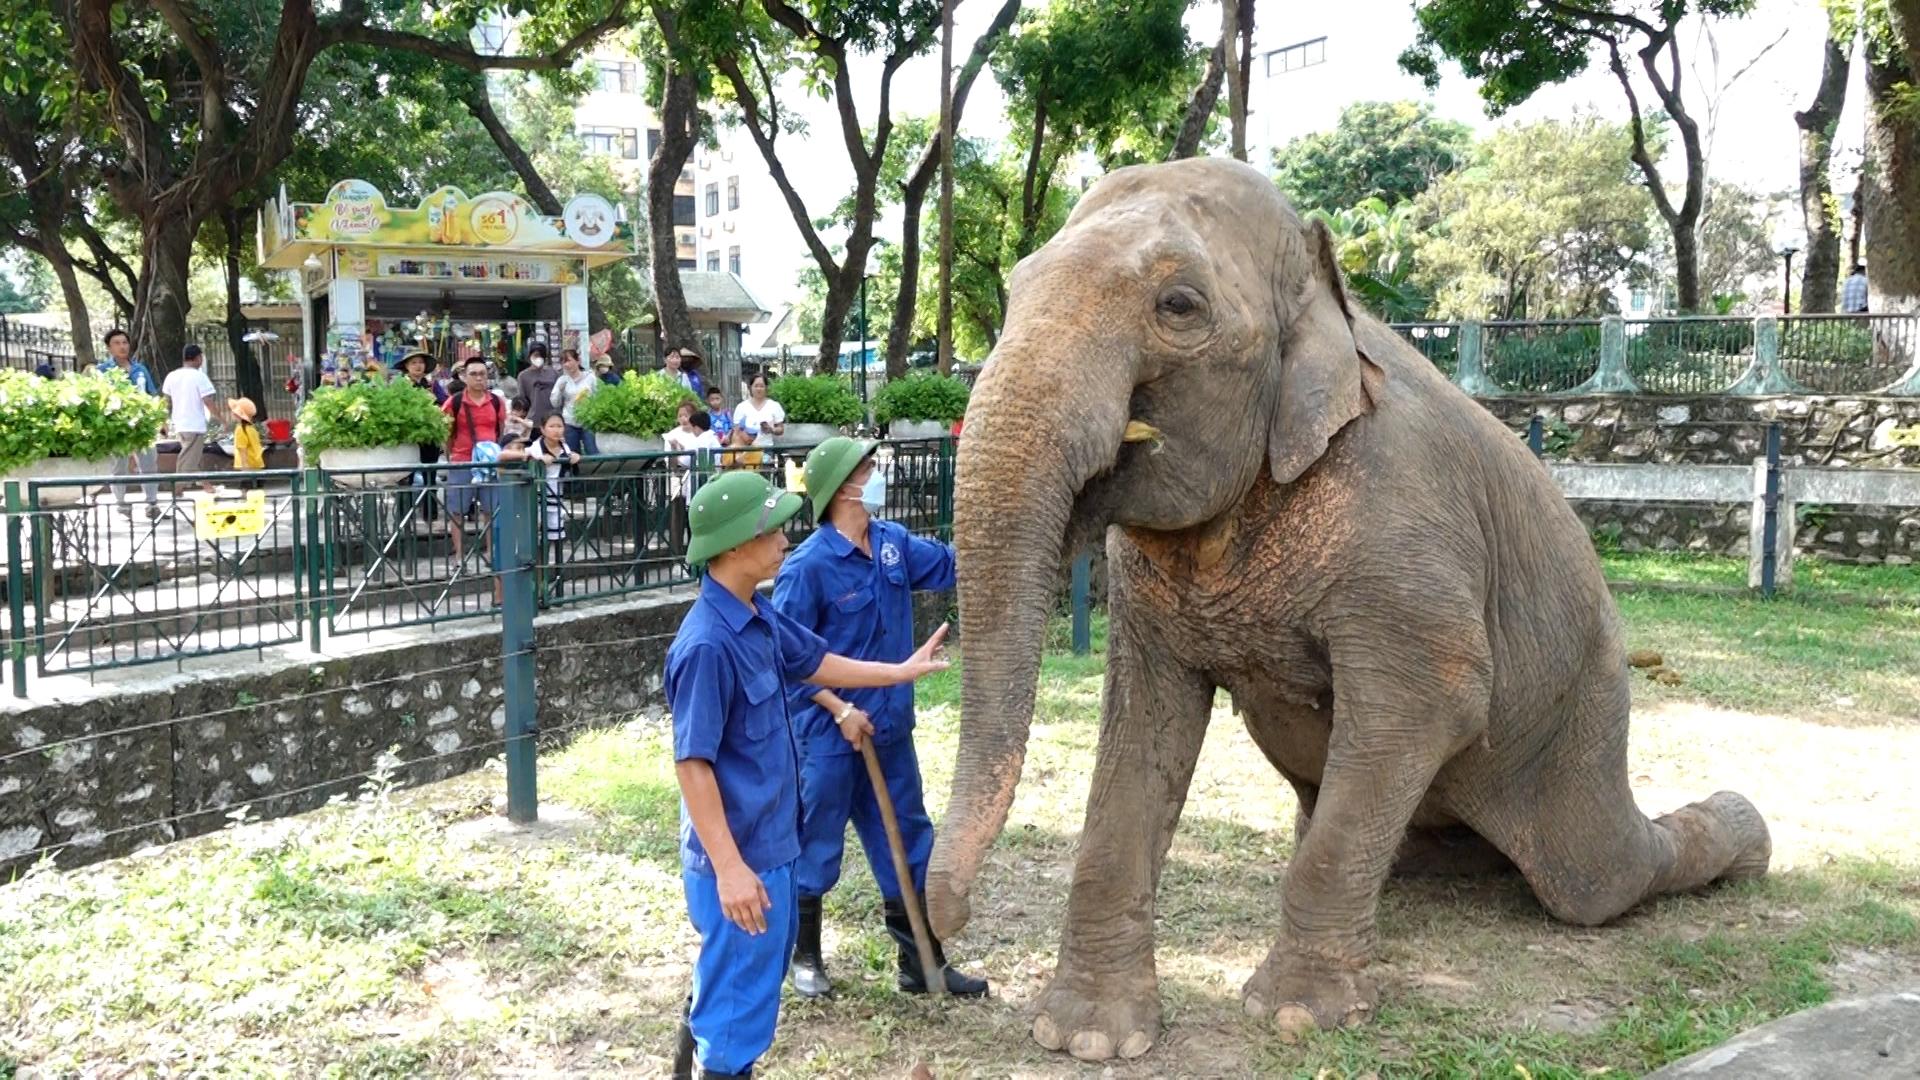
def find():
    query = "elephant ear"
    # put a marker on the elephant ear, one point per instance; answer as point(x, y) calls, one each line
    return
point(1322, 373)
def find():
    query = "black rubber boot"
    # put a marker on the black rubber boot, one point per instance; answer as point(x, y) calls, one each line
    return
point(912, 979)
point(809, 967)
point(683, 1053)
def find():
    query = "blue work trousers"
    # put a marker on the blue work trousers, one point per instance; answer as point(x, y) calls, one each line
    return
point(834, 789)
point(736, 980)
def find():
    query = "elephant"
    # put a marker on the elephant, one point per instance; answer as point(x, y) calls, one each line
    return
point(1300, 510)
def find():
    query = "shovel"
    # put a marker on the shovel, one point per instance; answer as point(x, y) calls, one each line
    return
point(936, 975)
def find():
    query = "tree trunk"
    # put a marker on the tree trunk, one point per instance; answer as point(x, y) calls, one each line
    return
point(246, 365)
point(1820, 278)
point(1200, 108)
point(1236, 90)
point(166, 245)
point(78, 322)
point(679, 129)
point(944, 328)
point(843, 292)
point(914, 194)
point(1892, 189)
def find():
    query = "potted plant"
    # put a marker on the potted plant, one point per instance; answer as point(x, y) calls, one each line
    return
point(922, 405)
point(366, 431)
point(817, 407)
point(72, 427)
point(628, 417)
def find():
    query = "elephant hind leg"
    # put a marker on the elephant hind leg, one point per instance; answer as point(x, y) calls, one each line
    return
point(1448, 851)
point(1582, 842)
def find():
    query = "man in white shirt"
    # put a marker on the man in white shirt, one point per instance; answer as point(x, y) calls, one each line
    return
point(1853, 292)
point(194, 401)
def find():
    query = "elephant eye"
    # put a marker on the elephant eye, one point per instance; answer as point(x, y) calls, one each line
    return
point(1180, 304)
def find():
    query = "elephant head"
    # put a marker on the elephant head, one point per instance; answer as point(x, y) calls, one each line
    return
point(1181, 333)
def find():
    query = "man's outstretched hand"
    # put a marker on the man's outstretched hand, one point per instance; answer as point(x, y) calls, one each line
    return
point(927, 659)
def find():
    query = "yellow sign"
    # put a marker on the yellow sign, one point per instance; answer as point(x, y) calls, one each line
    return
point(1905, 436)
point(216, 519)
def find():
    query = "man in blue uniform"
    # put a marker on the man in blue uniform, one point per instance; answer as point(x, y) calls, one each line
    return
point(727, 678)
point(852, 582)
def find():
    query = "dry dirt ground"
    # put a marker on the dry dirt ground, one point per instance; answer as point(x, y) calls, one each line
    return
point(414, 934)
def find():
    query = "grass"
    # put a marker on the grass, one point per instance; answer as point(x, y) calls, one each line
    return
point(411, 933)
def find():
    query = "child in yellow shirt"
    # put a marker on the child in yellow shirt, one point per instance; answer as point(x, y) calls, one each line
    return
point(248, 455)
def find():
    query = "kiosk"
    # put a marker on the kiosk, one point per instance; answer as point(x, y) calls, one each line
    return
point(460, 276)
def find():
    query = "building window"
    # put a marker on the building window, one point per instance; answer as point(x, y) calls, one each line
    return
point(733, 193)
point(713, 262)
point(1294, 57)
point(611, 141)
point(713, 199)
point(683, 209)
point(490, 38)
point(653, 142)
point(617, 76)
point(733, 258)
point(688, 264)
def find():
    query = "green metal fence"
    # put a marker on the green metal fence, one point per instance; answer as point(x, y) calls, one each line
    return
point(99, 576)
point(1682, 356)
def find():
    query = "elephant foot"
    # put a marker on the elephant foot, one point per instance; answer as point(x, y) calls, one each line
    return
point(1302, 993)
point(1097, 1018)
point(1720, 838)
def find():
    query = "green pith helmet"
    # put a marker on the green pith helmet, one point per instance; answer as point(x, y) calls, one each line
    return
point(829, 465)
point(733, 509)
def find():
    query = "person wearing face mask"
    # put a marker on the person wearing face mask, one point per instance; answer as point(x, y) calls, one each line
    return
point(852, 582)
point(536, 383)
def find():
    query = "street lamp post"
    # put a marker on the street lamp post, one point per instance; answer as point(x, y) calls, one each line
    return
point(1786, 283)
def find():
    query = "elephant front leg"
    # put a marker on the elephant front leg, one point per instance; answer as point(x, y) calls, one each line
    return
point(1393, 728)
point(1104, 998)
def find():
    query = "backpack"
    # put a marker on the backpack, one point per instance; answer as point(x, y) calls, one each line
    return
point(459, 409)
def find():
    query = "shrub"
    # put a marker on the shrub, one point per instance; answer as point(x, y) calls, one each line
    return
point(639, 406)
point(922, 396)
point(87, 416)
point(817, 399)
point(368, 414)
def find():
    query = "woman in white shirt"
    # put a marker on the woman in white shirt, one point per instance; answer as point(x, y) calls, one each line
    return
point(693, 434)
point(573, 384)
point(760, 415)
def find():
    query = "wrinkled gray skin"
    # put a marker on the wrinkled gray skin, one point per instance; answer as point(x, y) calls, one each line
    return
point(1409, 619)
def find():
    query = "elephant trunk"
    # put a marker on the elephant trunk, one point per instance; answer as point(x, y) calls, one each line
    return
point(1039, 427)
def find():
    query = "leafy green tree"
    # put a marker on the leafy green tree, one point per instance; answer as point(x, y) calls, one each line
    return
point(205, 98)
point(1386, 150)
point(1543, 225)
point(1375, 245)
point(1818, 123)
point(1892, 176)
point(1517, 49)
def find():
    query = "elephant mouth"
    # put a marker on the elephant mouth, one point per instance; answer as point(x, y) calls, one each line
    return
point(1140, 431)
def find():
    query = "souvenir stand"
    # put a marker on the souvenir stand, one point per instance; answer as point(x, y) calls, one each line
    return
point(461, 276)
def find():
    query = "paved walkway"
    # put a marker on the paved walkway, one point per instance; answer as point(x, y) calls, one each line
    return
point(1874, 1038)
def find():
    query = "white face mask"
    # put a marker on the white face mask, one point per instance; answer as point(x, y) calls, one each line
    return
point(873, 493)
point(538, 360)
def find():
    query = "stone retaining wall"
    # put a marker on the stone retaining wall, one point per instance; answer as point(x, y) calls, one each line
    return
point(292, 730)
point(1819, 431)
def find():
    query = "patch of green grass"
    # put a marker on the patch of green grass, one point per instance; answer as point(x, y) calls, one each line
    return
point(1813, 579)
point(625, 777)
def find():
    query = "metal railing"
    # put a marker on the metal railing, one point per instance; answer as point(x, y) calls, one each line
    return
point(105, 573)
point(1679, 356)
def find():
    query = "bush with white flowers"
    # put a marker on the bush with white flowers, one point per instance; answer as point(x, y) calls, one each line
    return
point(88, 416)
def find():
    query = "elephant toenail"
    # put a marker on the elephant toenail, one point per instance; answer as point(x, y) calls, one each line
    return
point(1091, 1046)
point(1356, 1015)
point(1136, 1044)
point(1255, 1007)
point(1046, 1032)
point(1294, 1020)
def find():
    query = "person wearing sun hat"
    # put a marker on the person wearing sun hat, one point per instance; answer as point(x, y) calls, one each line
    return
point(852, 582)
point(248, 456)
point(727, 674)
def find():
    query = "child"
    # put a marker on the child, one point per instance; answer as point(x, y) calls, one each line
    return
point(718, 417)
point(552, 451)
point(736, 762)
point(518, 426)
point(741, 458)
point(247, 453)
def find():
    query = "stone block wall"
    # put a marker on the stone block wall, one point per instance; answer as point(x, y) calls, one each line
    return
point(1821, 431)
point(285, 732)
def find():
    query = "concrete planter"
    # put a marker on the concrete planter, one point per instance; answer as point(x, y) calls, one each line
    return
point(59, 468)
point(612, 445)
point(808, 435)
point(370, 466)
point(919, 429)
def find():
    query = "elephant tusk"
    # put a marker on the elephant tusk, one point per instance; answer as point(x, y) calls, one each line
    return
point(1140, 431)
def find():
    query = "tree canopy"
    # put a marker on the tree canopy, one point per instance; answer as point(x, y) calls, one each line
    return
point(1386, 150)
